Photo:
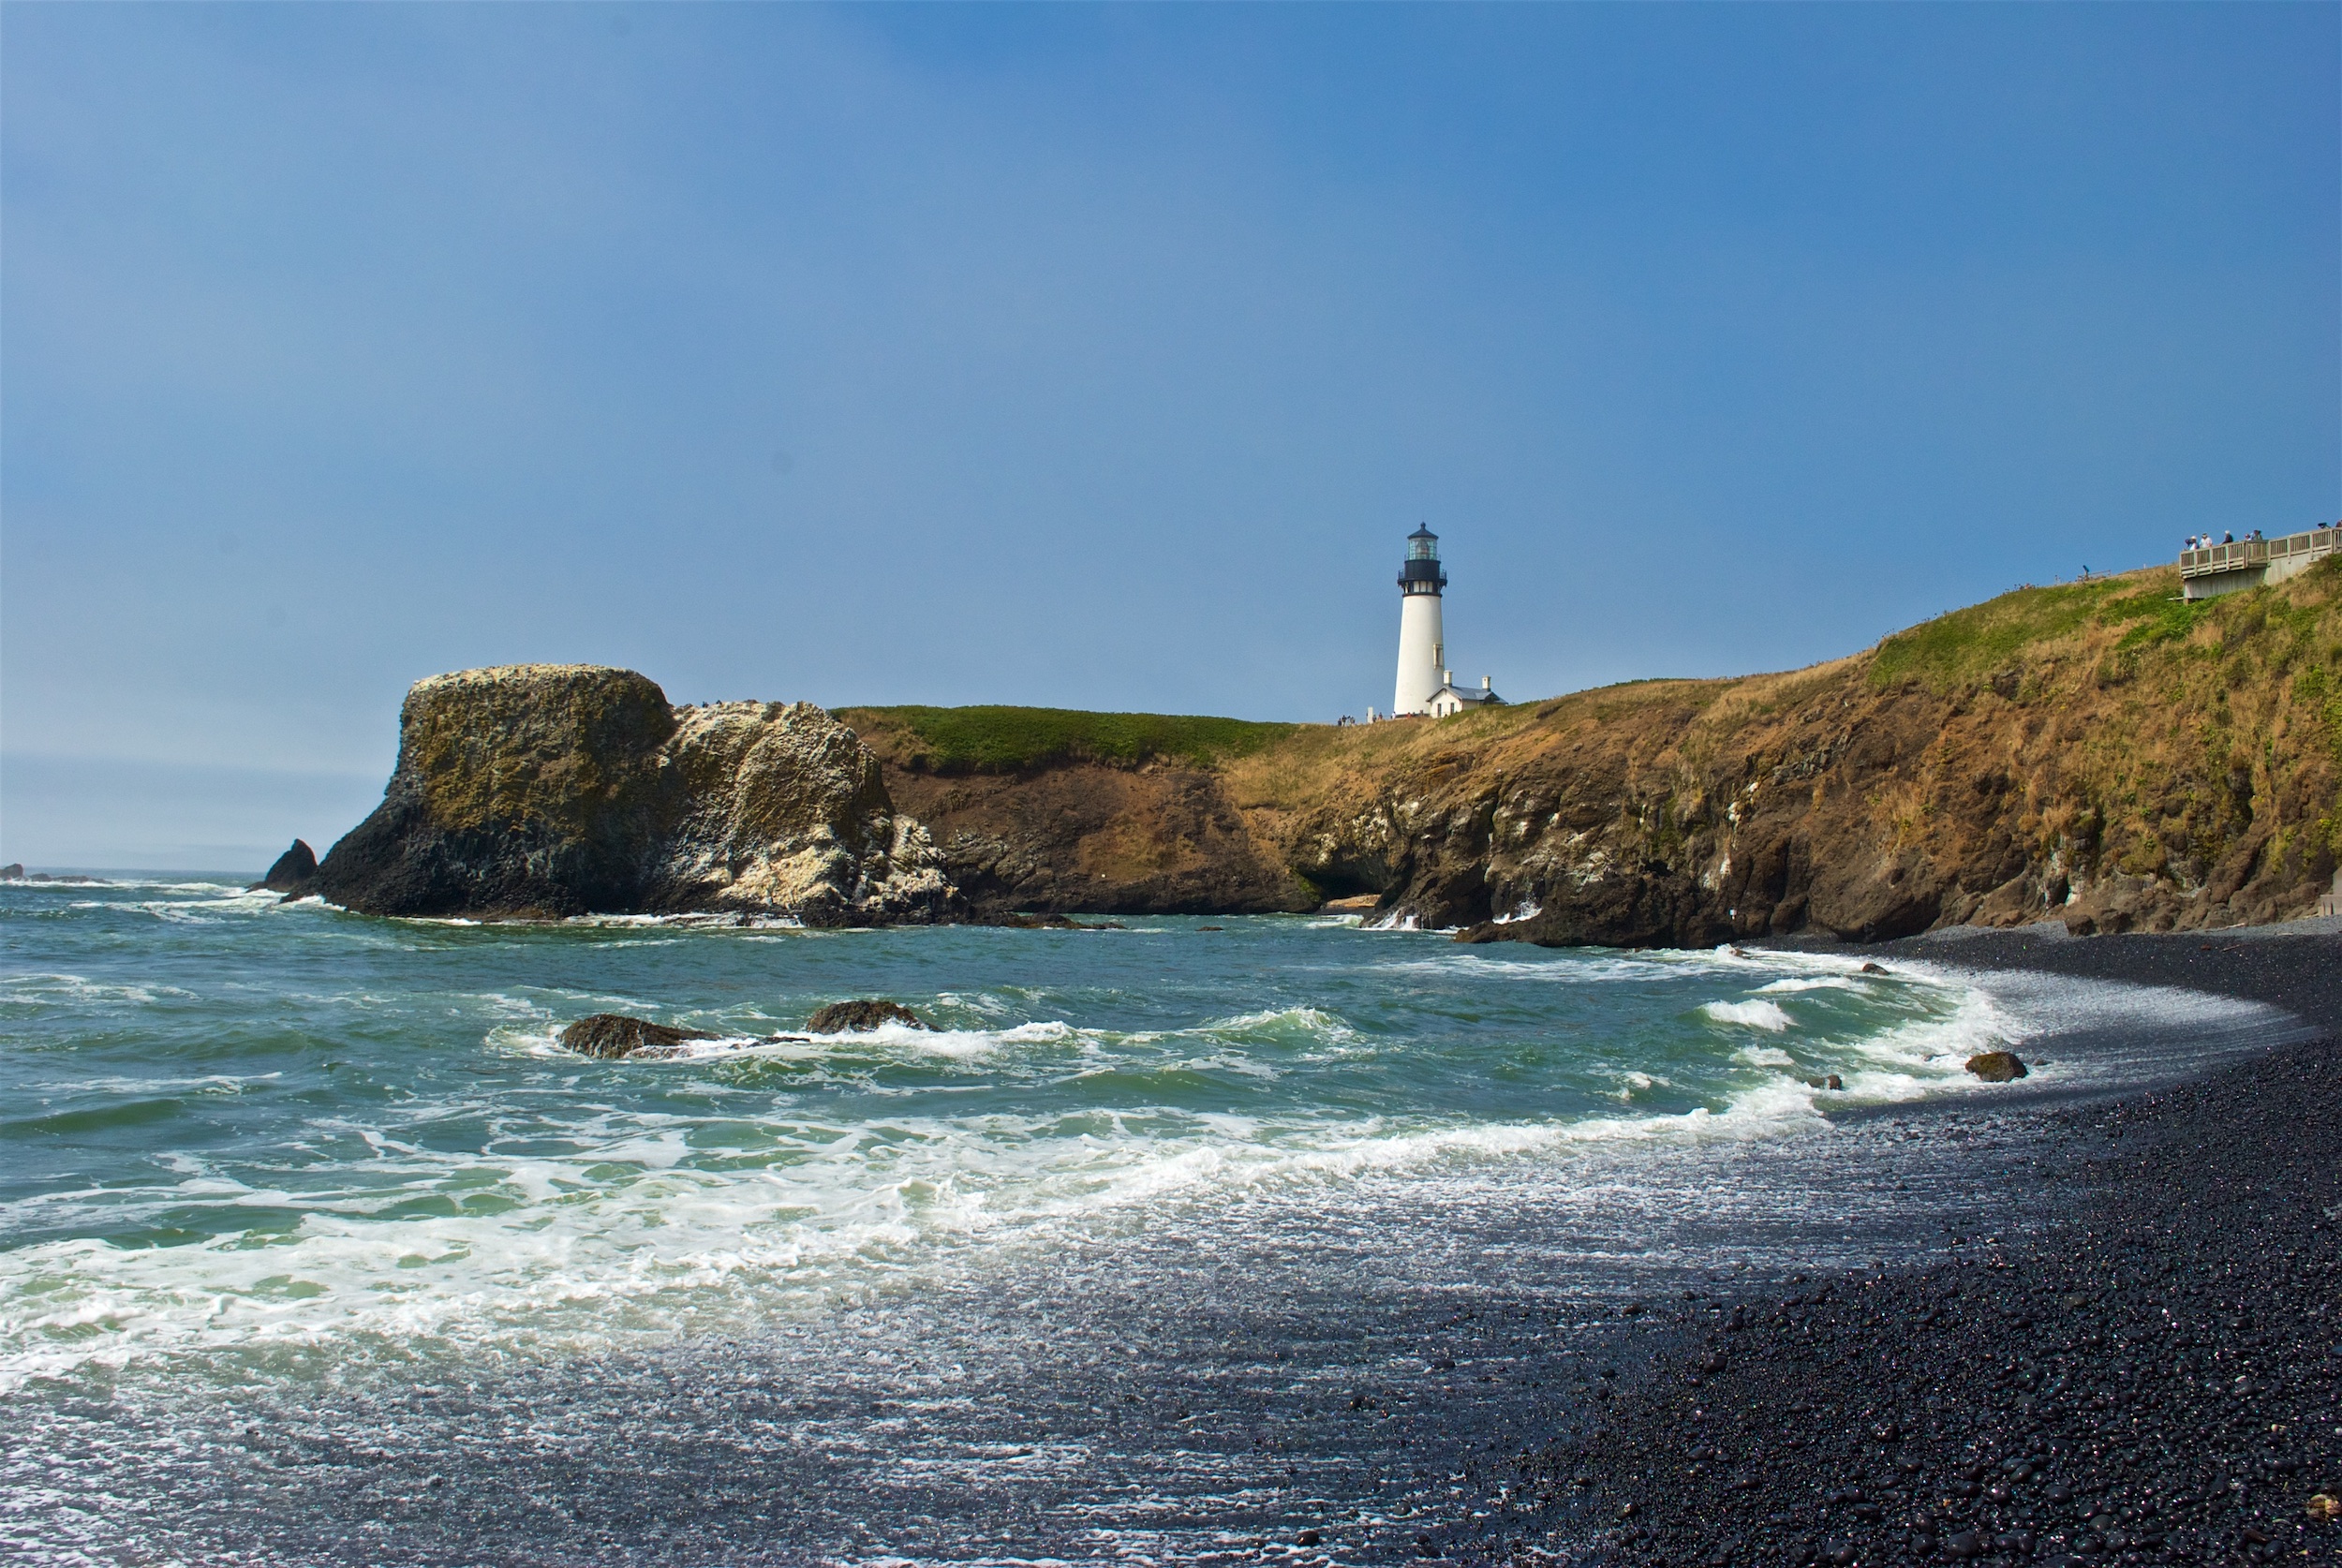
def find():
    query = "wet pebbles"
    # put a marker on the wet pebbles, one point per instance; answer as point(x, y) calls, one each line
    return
point(2157, 1379)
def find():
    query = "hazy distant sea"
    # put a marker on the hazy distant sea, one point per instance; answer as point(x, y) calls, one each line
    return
point(1170, 1244)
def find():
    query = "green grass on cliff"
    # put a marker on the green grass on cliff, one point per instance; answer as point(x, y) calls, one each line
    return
point(1967, 647)
point(991, 739)
point(2123, 619)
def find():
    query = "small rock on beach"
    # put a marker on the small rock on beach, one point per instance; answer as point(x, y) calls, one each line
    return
point(1997, 1067)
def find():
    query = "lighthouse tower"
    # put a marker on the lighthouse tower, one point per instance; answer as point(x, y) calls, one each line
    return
point(1422, 651)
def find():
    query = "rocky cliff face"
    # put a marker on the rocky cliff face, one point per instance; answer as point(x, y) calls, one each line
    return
point(572, 789)
point(1147, 838)
point(2097, 754)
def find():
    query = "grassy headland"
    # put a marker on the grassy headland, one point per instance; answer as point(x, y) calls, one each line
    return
point(2100, 752)
point(994, 739)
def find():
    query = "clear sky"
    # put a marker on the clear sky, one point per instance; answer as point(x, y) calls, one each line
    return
point(1095, 357)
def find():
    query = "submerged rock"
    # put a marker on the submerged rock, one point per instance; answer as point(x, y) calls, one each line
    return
point(840, 1018)
point(613, 1035)
point(570, 788)
point(292, 871)
point(1997, 1067)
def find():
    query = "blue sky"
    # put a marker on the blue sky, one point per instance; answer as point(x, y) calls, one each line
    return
point(1095, 357)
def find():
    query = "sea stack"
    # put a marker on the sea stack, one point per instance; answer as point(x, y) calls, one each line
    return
point(292, 871)
point(554, 790)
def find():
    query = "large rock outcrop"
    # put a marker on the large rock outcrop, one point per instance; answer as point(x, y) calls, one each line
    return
point(562, 790)
point(2098, 753)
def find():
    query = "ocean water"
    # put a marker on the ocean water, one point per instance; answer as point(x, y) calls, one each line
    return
point(1169, 1243)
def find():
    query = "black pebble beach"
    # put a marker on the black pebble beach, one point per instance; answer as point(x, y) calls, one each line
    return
point(2155, 1376)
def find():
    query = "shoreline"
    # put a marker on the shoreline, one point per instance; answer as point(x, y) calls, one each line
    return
point(2149, 1376)
point(1280, 1380)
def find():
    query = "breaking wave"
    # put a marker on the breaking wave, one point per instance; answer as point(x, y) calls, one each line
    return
point(238, 1140)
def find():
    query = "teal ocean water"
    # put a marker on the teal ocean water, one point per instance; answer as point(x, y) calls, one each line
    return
point(252, 1153)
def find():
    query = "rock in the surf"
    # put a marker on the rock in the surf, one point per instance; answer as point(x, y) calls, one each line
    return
point(1997, 1067)
point(12, 873)
point(841, 1017)
point(570, 788)
point(613, 1034)
point(292, 872)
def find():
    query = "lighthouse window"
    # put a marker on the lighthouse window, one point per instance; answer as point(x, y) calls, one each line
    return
point(1425, 549)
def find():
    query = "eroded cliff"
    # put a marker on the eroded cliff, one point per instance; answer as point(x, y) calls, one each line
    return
point(2097, 753)
point(562, 788)
point(1049, 810)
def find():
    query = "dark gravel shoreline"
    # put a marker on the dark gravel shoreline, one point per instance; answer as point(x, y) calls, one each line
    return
point(2156, 1378)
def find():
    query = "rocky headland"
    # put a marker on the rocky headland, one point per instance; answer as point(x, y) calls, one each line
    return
point(2098, 754)
point(2101, 754)
point(552, 789)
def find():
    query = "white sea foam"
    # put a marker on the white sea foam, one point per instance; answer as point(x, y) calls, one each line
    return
point(702, 921)
point(1597, 966)
point(893, 1039)
point(598, 1218)
point(136, 884)
point(1764, 1056)
point(35, 989)
point(634, 1234)
point(1765, 1016)
point(1307, 1020)
point(1632, 1083)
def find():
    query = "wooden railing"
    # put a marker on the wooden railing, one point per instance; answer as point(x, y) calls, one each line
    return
point(2256, 552)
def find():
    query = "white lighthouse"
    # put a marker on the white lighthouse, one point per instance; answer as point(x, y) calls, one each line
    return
point(1425, 684)
point(1422, 649)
